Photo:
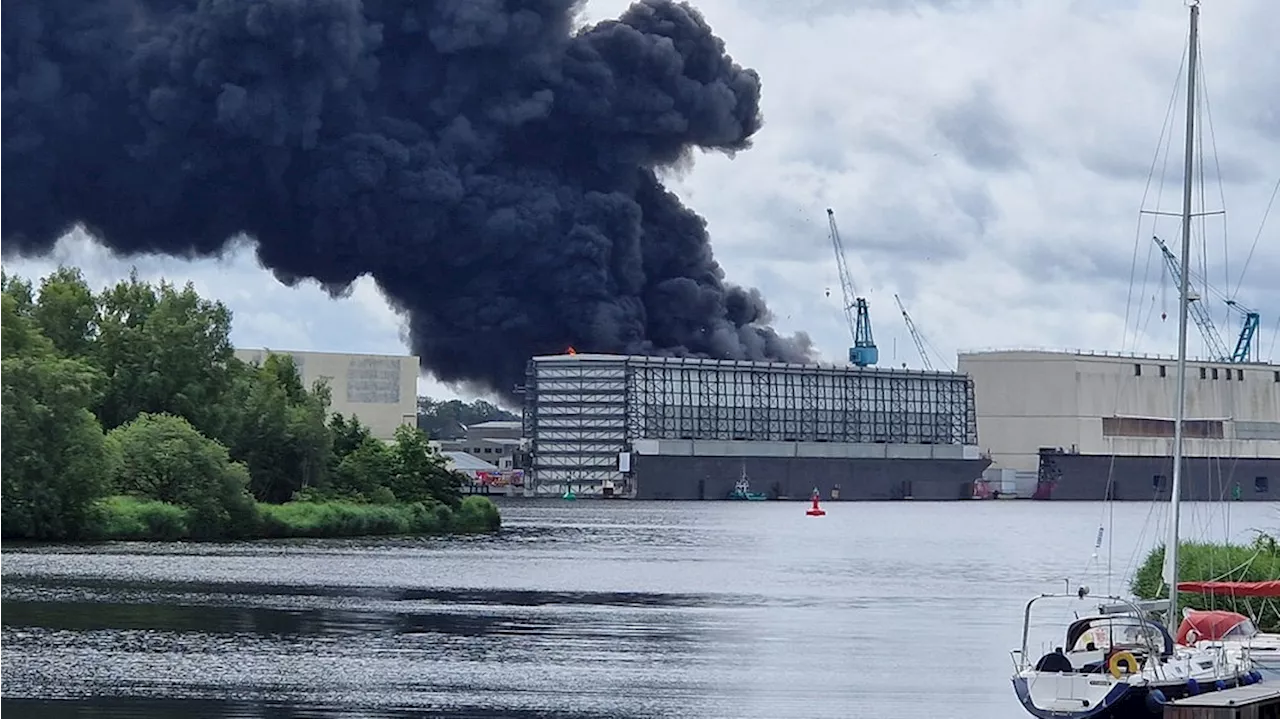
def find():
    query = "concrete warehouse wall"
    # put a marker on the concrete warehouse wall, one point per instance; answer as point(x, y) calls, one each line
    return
point(379, 389)
point(1027, 400)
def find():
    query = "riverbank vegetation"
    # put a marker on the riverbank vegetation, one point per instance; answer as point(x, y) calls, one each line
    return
point(126, 415)
point(1203, 562)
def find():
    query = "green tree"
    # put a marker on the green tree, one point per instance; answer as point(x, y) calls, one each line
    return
point(162, 457)
point(195, 432)
point(164, 350)
point(348, 435)
point(279, 429)
point(364, 471)
point(420, 472)
point(54, 459)
point(67, 312)
point(20, 290)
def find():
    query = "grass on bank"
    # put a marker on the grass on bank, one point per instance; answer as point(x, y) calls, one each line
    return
point(1203, 562)
point(130, 518)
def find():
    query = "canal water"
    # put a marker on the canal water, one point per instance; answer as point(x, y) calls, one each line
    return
point(615, 610)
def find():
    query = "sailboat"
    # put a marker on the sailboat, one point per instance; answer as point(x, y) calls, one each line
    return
point(1117, 662)
point(1232, 630)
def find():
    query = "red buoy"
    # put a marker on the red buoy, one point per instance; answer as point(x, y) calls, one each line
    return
point(815, 510)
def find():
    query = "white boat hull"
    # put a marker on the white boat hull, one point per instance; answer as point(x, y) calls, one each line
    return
point(1065, 695)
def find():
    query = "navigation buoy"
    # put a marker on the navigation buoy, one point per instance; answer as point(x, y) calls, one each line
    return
point(815, 510)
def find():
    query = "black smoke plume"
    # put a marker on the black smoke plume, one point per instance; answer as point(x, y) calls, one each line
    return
point(489, 165)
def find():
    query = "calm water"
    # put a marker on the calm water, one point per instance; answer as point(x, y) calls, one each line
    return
point(587, 609)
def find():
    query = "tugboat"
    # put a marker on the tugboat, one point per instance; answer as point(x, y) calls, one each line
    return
point(742, 489)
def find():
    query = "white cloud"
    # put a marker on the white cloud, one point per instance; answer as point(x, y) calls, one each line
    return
point(985, 160)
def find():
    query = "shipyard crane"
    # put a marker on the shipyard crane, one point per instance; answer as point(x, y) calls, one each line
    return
point(915, 334)
point(863, 352)
point(1213, 341)
point(1244, 351)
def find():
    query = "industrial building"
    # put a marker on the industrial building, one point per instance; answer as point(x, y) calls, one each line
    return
point(497, 441)
point(1092, 426)
point(681, 428)
point(381, 390)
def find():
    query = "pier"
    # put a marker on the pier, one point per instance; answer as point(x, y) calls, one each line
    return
point(1256, 701)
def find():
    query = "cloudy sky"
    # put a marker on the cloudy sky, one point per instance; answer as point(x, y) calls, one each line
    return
point(987, 161)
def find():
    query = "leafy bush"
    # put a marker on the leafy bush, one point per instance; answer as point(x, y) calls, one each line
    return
point(164, 458)
point(133, 518)
point(1203, 562)
point(477, 514)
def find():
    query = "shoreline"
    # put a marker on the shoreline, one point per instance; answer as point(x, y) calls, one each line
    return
point(131, 519)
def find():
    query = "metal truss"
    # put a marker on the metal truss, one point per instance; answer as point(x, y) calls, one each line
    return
point(677, 398)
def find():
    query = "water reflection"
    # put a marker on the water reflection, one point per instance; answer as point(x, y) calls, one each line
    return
point(143, 708)
point(617, 610)
point(457, 621)
point(105, 647)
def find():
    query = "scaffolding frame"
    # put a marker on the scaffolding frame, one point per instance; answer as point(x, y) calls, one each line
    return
point(582, 412)
point(776, 402)
point(575, 416)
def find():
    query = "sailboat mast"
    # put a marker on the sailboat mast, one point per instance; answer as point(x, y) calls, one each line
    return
point(1171, 548)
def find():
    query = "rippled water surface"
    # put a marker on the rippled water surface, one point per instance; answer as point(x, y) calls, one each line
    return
point(587, 609)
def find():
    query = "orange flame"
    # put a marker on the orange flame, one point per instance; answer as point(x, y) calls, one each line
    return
point(573, 351)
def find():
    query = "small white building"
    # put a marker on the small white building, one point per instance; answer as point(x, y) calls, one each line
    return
point(496, 441)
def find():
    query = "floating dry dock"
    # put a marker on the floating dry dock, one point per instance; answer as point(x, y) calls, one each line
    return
point(683, 428)
point(1256, 701)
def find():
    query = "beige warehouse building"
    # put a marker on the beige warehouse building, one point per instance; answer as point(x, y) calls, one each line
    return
point(381, 390)
point(1088, 425)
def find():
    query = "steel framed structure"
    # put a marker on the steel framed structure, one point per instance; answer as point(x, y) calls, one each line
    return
point(575, 414)
point(675, 398)
point(582, 411)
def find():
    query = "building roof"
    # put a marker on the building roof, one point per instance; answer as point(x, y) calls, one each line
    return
point(497, 424)
point(318, 353)
point(1094, 355)
point(728, 364)
point(466, 462)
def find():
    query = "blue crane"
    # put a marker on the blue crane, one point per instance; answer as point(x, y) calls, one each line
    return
point(863, 352)
point(1244, 343)
point(1213, 343)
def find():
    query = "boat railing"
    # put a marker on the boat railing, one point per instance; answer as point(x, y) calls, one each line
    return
point(1115, 603)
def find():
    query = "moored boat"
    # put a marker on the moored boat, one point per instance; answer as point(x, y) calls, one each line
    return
point(1118, 666)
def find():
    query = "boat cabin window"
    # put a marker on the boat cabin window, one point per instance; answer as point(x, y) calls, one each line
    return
point(1243, 630)
point(1105, 633)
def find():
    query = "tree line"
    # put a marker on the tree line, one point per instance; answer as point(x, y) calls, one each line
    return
point(126, 414)
point(449, 419)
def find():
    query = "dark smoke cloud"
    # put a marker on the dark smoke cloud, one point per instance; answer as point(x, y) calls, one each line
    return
point(492, 168)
